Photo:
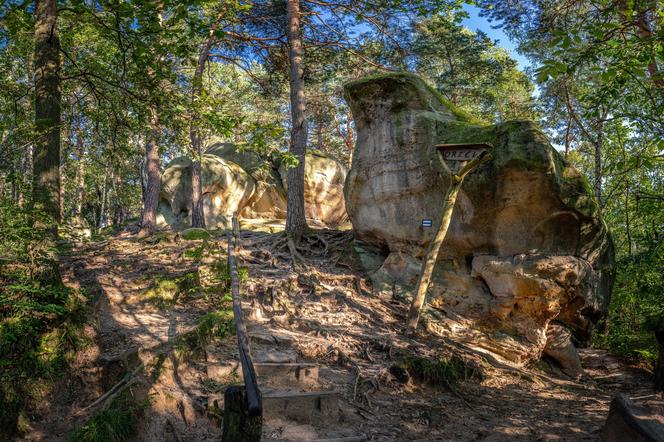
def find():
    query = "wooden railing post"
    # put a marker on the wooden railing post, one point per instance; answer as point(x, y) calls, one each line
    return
point(239, 426)
point(243, 405)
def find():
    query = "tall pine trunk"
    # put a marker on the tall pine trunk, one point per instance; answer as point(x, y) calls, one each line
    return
point(296, 223)
point(197, 212)
point(153, 182)
point(46, 156)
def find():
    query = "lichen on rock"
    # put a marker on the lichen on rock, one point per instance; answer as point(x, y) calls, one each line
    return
point(526, 247)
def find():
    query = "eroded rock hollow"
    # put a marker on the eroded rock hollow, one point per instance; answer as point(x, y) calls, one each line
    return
point(527, 263)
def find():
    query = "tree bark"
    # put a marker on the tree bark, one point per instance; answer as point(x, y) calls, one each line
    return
point(26, 174)
point(153, 184)
point(197, 212)
point(434, 246)
point(296, 222)
point(80, 173)
point(104, 192)
point(46, 162)
point(597, 183)
point(659, 368)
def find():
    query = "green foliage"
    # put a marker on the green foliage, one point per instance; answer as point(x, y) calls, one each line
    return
point(449, 372)
point(637, 306)
point(115, 423)
point(40, 319)
point(211, 327)
point(471, 72)
point(166, 292)
point(195, 233)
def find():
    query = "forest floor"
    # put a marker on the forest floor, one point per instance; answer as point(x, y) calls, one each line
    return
point(157, 332)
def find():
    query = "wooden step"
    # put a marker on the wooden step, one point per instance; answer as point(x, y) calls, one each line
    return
point(297, 374)
point(311, 407)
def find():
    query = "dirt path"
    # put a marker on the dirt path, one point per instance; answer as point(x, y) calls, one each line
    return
point(328, 315)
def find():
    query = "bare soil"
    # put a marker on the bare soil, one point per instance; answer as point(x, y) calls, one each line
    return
point(320, 309)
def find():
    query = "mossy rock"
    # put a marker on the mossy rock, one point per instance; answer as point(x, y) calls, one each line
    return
point(526, 201)
point(195, 233)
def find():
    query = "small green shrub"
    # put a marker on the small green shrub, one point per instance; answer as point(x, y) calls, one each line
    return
point(40, 319)
point(449, 372)
point(115, 423)
point(211, 327)
point(166, 291)
point(195, 233)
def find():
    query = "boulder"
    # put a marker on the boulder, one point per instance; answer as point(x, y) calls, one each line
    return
point(237, 181)
point(269, 200)
point(526, 244)
point(324, 179)
point(629, 422)
point(226, 190)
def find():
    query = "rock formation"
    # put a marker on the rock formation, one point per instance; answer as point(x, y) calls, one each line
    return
point(526, 248)
point(236, 181)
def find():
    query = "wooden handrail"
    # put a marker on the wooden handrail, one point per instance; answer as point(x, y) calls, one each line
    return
point(253, 394)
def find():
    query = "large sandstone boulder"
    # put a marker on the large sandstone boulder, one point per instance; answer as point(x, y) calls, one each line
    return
point(226, 190)
point(526, 247)
point(237, 181)
point(269, 199)
point(324, 179)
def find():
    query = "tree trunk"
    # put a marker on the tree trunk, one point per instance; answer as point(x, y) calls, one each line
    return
point(61, 172)
point(46, 173)
point(296, 223)
point(567, 136)
point(26, 174)
point(319, 135)
point(434, 246)
point(197, 212)
point(102, 209)
point(153, 184)
point(80, 174)
point(659, 368)
point(597, 184)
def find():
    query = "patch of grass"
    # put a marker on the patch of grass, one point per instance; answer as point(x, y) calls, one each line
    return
point(211, 327)
point(218, 386)
point(166, 292)
point(195, 233)
point(116, 423)
point(449, 372)
point(195, 253)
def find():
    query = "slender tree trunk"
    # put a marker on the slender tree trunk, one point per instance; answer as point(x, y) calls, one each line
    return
point(80, 174)
point(296, 223)
point(102, 209)
point(197, 212)
point(61, 171)
point(434, 246)
point(26, 174)
point(567, 136)
point(659, 368)
point(46, 173)
point(153, 184)
point(597, 183)
point(319, 135)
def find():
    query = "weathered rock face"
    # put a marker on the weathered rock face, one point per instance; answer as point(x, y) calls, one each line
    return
point(324, 179)
point(526, 246)
point(243, 182)
point(226, 189)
